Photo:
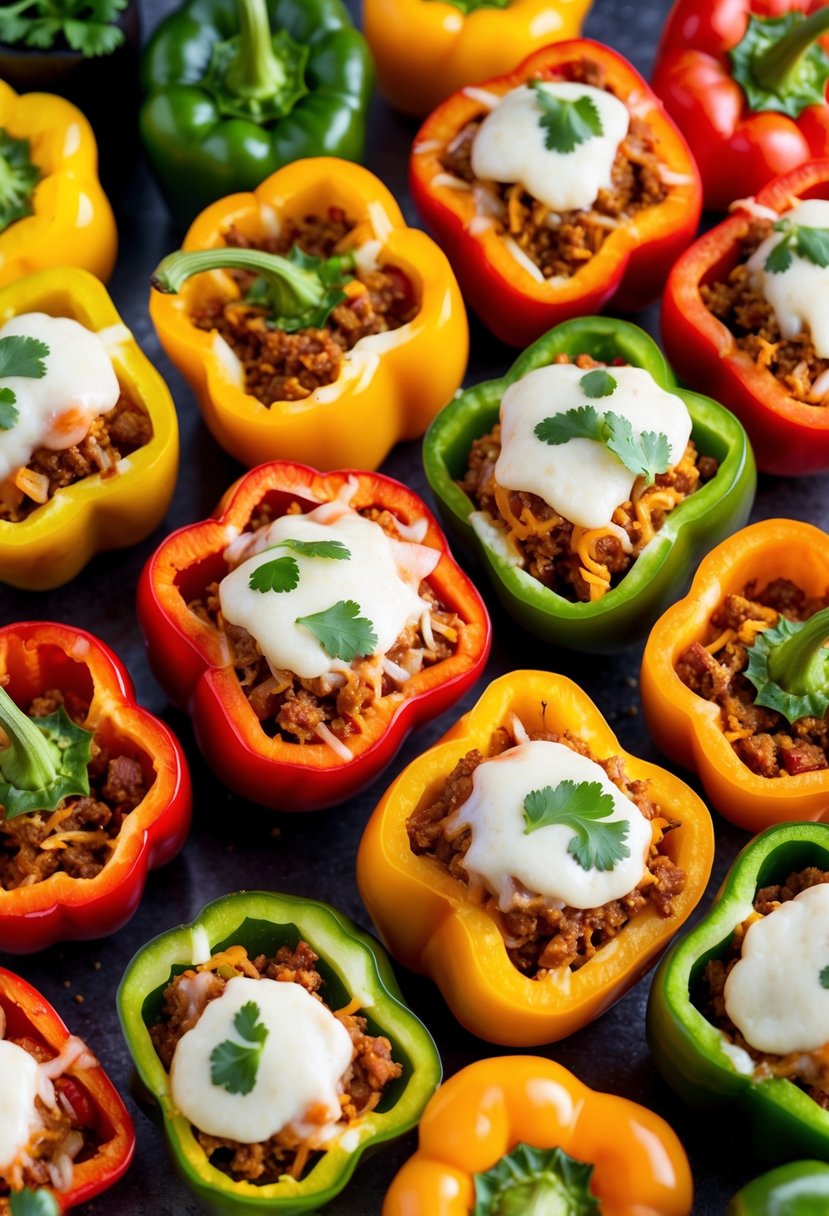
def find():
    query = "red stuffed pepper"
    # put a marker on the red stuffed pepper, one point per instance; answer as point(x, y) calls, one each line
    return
point(744, 316)
point(555, 189)
point(308, 628)
point(745, 81)
point(94, 791)
point(79, 1135)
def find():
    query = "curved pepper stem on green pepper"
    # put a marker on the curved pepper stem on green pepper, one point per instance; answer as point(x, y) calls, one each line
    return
point(789, 667)
point(535, 1182)
point(255, 75)
point(45, 761)
point(780, 64)
point(298, 290)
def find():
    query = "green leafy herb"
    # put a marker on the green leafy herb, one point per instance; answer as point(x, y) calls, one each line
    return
point(282, 574)
point(33, 1203)
point(645, 455)
point(45, 761)
point(341, 631)
point(824, 978)
point(566, 124)
point(19, 356)
point(812, 244)
point(535, 1180)
point(18, 177)
point(87, 26)
point(9, 413)
point(598, 383)
point(234, 1065)
point(580, 806)
point(789, 667)
point(332, 273)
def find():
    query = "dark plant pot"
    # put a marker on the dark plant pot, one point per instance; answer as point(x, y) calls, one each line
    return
point(104, 88)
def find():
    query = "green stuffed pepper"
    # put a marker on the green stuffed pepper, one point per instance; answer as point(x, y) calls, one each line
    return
point(238, 88)
point(203, 967)
point(713, 1042)
point(798, 1189)
point(601, 607)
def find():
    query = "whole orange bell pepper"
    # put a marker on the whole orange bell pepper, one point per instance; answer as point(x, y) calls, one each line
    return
point(685, 726)
point(390, 385)
point(424, 50)
point(65, 217)
point(499, 1128)
point(453, 939)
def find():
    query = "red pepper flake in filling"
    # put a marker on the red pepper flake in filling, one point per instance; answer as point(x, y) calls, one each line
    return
point(540, 938)
point(761, 737)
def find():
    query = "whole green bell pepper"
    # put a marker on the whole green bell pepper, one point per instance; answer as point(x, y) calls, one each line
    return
point(661, 573)
point(238, 88)
point(798, 1189)
point(353, 965)
point(694, 1057)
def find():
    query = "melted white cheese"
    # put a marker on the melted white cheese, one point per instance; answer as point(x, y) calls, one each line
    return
point(581, 479)
point(501, 851)
point(382, 575)
point(22, 1083)
point(510, 146)
point(799, 295)
point(773, 994)
point(303, 1060)
point(57, 410)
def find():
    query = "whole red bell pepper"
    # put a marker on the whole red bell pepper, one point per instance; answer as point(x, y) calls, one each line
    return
point(37, 656)
point(88, 1090)
point(194, 664)
point(630, 266)
point(745, 82)
point(789, 436)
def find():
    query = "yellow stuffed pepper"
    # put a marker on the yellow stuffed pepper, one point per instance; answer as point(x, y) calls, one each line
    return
point(88, 430)
point(53, 211)
point(541, 868)
point(312, 324)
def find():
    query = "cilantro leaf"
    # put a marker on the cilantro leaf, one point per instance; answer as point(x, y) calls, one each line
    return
point(598, 383)
point(87, 26)
point(780, 258)
point(233, 1065)
point(824, 978)
point(595, 846)
point(813, 244)
point(341, 631)
point(33, 1203)
point(9, 413)
point(18, 177)
point(566, 124)
point(581, 423)
point(282, 574)
point(333, 549)
point(645, 456)
point(23, 356)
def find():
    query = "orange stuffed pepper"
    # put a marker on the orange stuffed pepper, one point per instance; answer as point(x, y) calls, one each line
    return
point(542, 868)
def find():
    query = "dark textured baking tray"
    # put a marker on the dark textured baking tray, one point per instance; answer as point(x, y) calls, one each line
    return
point(235, 845)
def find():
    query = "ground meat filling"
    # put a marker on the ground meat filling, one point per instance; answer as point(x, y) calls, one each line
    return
point(559, 243)
point(753, 322)
point(294, 708)
point(372, 1066)
point(288, 367)
point(762, 738)
point(540, 938)
point(78, 837)
point(111, 437)
point(809, 1070)
point(547, 542)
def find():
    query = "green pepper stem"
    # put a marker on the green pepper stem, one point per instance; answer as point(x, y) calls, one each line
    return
point(776, 67)
point(255, 71)
point(797, 665)
point(545, 1196)
point(30, 760)
point(291, 289)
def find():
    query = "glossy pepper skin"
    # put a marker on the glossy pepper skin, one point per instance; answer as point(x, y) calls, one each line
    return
point(207, 135)
point(781, 1120)
point(426, 49)
point(454, 940)
point(798, 1189)
point(738, 148)
point(686, 727)
point(41, 655)
point(625, 612)
point(352, 964)
point(631, 266)
point(52, 544)
point(482, 1112)
point(390, 392)
point(789, 437)
point(71, 218)
point(192, 661)
point(28, 1015)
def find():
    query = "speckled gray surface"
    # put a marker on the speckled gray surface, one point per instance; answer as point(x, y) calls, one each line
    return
point(235, 845)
